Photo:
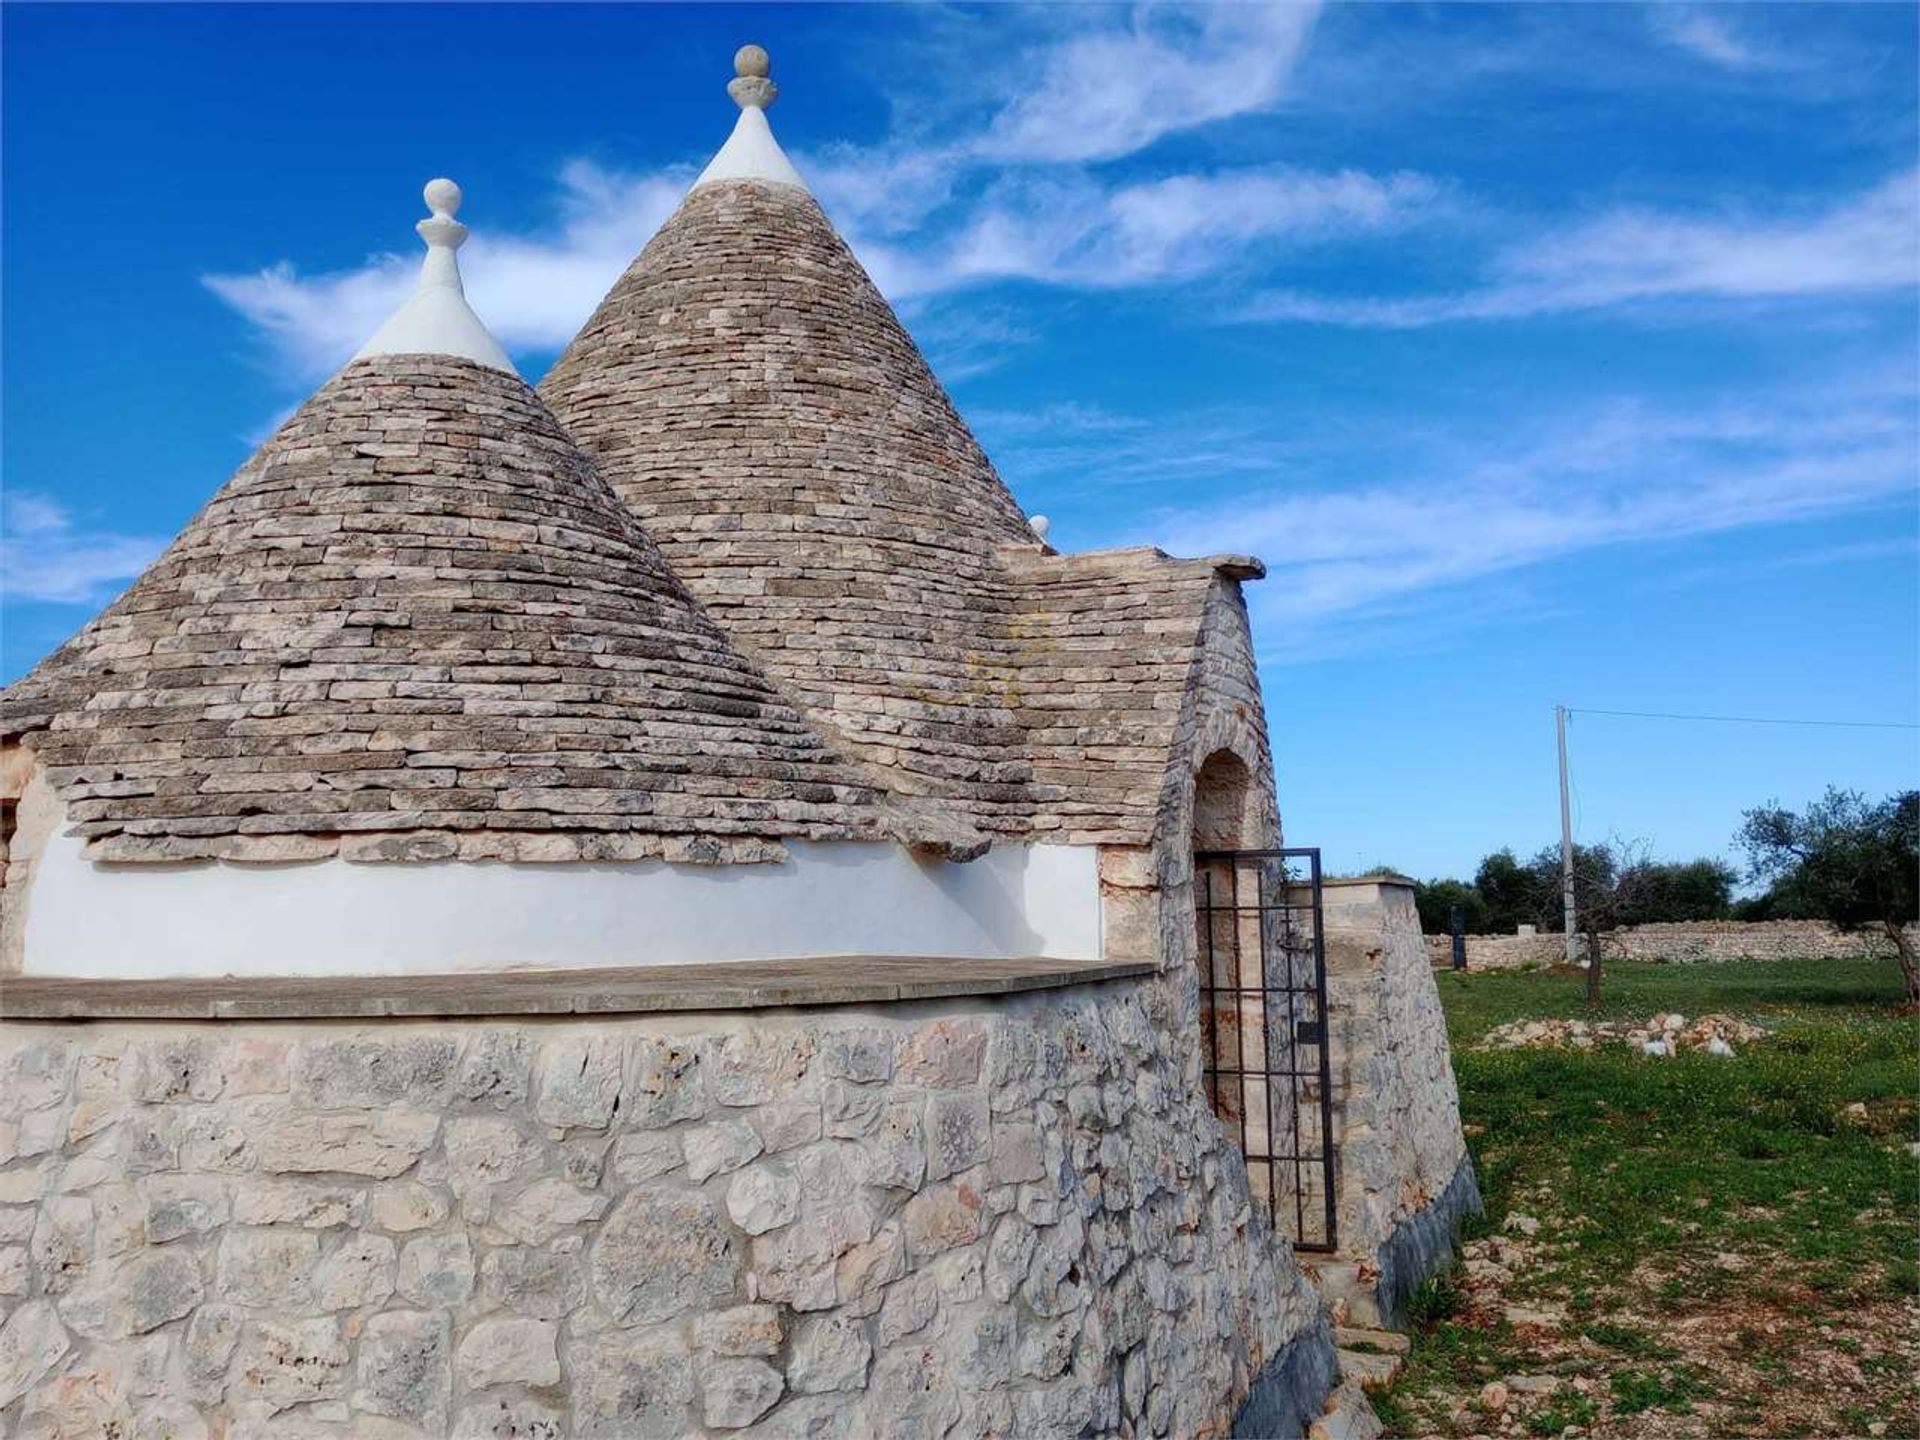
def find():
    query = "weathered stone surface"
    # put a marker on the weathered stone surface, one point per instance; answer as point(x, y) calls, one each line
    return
point(510, 1352)
point(897, 1151)
point(482, 1151)
point(941, 1217)
point(545, 1208)
point(436, 1270)
point(1017, 1154)
point(272, 1269)
point(359, 1272)
point(500, 1417)
point(283, 1365)
point(763, 1198)
point(578, 1082)
point(830, 1352)
point(752, 1069)
point(909, 1307)
point(743, 1330)
point(662, 1252)
point(381, 1145)
point(497, 1067)
point(864, 1056)
point(718, 1148)
point(866, 1269)
point(880, 569)
point(546, 1282)
point(407, 1205)
point(312, 1203)
point(371, 1071)
point(150, 1289)
point(588, 1282)
point(15, 1276)
point(385, 730)
point(175, 1068)
point(63, 1243)
point(943, 1054)
point(32, 1342)
point(735, 1393)
point(646, 1155)
point(630, 1386)
point(184, 1205)
point(957, 1134)
point(785, 1124)
point(404, 1368)
point(663, 1082)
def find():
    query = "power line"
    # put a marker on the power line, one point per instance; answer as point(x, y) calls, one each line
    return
point(1754, 720)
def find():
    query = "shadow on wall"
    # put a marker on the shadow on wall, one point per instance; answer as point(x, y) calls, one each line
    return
point(1225, 814)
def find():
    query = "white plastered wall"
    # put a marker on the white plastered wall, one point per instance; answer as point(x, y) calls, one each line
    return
point(334, 917)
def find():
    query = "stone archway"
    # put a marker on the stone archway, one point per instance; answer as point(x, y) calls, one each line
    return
point(1226, 811)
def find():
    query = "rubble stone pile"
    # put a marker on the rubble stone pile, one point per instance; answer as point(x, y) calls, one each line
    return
point(1661, 1035)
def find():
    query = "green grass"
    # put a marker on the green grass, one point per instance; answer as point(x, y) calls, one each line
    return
point(1806, 989)
point(1674, 1187)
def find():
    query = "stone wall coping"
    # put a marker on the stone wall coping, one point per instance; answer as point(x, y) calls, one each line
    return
point(744, 985)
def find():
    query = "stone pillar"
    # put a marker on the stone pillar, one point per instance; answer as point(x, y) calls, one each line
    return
point(1403, 1175)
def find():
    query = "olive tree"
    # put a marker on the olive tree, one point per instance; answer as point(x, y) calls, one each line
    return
point(1847, 860)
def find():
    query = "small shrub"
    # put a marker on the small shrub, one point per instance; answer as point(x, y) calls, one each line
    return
point(1568, 1408)
point(1438, 1299)
point(1635, 1391)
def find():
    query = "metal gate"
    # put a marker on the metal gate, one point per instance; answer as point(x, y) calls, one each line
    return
point(1263, 1018)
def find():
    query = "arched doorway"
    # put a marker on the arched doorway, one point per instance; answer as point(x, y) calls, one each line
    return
point(1263, 999)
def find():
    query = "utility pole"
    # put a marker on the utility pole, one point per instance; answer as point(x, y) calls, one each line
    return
point(1566, 837)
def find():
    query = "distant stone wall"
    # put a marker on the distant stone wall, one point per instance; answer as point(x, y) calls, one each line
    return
point(1404, 1177)
point(1009, 1218)
point(1699, 940)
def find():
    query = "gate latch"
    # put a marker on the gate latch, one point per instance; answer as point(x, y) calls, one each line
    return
point(1309, 1032)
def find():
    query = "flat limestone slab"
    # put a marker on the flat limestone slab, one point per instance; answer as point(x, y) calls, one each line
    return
point(743, 985)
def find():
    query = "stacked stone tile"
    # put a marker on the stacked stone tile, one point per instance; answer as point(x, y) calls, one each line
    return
point(1103, 651)
point(756, 402)
point(419, 625)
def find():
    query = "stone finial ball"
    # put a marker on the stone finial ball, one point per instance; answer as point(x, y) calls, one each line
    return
point(443, 197)
point(751, 62)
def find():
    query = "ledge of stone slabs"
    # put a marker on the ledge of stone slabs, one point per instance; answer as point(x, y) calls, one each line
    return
point(741, 985)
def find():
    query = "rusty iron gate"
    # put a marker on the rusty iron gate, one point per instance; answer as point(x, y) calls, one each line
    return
point(1263, 1019)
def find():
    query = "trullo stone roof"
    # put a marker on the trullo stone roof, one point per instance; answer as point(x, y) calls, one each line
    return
point(418, 624)
point(756, 402)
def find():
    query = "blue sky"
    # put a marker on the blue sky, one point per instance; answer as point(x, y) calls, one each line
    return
point(1545, 353)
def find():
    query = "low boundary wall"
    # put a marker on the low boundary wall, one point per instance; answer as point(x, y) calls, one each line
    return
point(1004, 1217)
point(1688, 943)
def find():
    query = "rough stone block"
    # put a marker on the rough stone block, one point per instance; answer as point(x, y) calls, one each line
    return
point(743, 1330)
point(830, 1352)
point(662, 1252)
point(510, 1352)
point(735, 1393)
point(404, 1369)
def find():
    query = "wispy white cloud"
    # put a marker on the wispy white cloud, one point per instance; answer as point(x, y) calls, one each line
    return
point(533, 290)
point(1010, 192)
point(1102, 91)
point(1867, 244)
point(1711, 34)
point(1471, 509)
point(44, 556)
point(1075, 230)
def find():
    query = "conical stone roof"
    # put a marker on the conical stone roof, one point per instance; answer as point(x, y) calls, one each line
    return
point(418, 624)
point(755, 401)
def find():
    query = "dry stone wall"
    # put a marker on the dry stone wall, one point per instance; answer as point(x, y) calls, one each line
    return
point(957, 1220)
point(1684, 943)
point(1404, 1176)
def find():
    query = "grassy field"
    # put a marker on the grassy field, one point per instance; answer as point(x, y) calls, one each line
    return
point(1694, 1245)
